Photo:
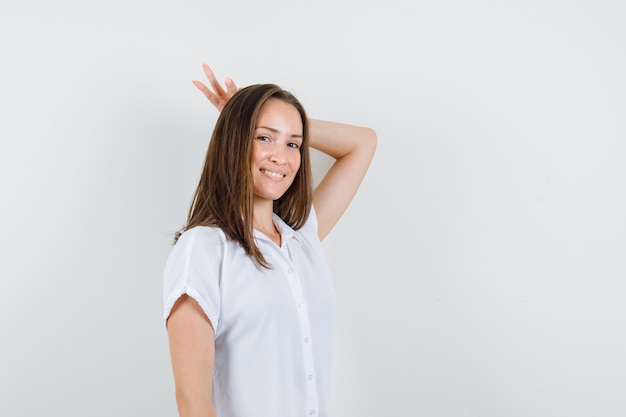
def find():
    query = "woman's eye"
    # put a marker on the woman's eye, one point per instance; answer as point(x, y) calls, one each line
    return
point(264, 138)
point(294, 145)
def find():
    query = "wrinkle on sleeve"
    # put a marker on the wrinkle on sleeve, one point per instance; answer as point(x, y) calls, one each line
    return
point(194, 268)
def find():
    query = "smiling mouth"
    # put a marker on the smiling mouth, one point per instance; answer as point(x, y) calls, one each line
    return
point(273, 174)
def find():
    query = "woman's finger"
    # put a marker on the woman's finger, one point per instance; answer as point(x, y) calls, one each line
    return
point(214, 99)
point(219, 91)
point(231, 88)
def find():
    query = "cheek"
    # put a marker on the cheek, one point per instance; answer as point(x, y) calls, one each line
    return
point(257, 153)
point(296, 163)
point(297, 160)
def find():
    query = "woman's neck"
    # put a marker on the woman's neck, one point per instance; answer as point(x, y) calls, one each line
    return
point(263, 220)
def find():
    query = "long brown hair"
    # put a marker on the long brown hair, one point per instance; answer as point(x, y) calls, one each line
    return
point(224, 197)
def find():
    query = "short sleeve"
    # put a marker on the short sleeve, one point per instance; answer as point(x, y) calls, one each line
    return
point(309, 228)
point(194, 268)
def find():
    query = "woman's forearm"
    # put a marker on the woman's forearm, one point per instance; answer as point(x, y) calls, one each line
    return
point(339, 140)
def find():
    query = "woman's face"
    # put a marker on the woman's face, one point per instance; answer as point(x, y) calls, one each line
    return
point(276, 149)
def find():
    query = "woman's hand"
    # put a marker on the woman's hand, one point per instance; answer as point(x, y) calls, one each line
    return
point(219, 97)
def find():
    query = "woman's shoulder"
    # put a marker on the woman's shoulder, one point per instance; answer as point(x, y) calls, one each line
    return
point(202, 235)
point(198, 244)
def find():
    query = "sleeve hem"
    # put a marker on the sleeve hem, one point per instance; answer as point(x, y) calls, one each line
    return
point(175, 295)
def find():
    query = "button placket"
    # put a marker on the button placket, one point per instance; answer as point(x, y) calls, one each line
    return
point(305, 332)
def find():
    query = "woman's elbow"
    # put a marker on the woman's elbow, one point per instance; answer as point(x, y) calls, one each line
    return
point(192, 404)
point(370, 139)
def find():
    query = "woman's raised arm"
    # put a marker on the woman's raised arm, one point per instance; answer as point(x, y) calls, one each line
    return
point(353, 148)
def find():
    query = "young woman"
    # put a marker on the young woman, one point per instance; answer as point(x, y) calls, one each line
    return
point(248, 296)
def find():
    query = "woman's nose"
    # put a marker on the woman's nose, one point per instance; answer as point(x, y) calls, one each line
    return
point(278, 155)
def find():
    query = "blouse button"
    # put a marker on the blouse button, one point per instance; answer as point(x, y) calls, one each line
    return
point(289, 271)
point(307, 340)
point(311, 412)
point(310, 377)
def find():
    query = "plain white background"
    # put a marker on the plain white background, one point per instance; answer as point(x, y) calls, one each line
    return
point(480, 270)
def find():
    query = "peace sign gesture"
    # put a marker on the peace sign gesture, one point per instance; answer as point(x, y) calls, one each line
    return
point(218, 96)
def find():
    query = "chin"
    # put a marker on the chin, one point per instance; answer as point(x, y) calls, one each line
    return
point(269, 195)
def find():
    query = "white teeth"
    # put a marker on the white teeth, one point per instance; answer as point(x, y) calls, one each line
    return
point(272, 174)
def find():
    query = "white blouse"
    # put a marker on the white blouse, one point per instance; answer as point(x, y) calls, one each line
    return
point(273, 327)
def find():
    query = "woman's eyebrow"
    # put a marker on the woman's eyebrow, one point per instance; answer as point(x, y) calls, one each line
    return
point(271, 129)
